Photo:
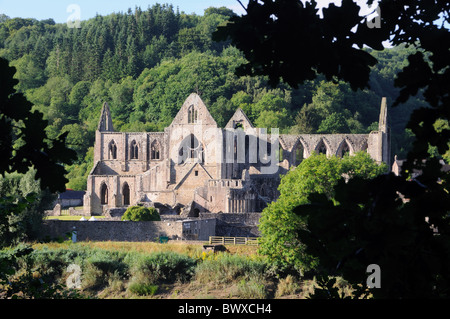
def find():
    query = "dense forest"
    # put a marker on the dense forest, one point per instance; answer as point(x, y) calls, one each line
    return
point(145, 63)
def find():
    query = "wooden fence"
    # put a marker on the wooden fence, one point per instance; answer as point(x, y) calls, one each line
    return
point(233, 240)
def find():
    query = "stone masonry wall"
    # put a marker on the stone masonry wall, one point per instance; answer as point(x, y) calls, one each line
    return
point(112, 230)
point(235, 225)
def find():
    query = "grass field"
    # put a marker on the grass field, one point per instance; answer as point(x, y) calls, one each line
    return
point(121, 270)
point(191, 249)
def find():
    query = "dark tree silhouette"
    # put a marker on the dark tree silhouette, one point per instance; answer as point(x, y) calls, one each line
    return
point(23, 140)
point(398, 223)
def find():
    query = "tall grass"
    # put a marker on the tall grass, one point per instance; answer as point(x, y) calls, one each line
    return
point(162, 267)
point(148, 270)
point(227, 268)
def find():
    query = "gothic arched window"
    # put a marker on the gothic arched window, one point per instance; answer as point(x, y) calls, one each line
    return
point(321, 148)
point(192, 114)
point(155, 150)
point(126, 194)
point(104, 194)
point(343, 149)
point(235, 149)
point(112, 150)
point(190, 147)
point(280, 154)
point(299, 153)
point(134, 150)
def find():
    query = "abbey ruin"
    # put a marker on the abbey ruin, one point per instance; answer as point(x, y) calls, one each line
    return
point(194, 165)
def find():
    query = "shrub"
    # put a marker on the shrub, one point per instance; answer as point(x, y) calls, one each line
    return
point(287, 286)
point(140, 214)
point(227, 268)
point(164, 267)
point(253, 288)
point(143, 289)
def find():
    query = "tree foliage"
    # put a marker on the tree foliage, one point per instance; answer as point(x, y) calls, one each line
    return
point(141, 214)
point(380, 220)
point(144, 63)
point(279, 224)
point(24, 142)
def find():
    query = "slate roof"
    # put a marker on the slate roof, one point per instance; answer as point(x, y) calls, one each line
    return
point(71, 194)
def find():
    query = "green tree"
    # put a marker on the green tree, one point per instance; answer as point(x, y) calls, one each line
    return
point(272, 119)
point(24, 144)
point(378, 227)
point(279, 225)
point(24, 223)
point(307, 120)
point(78, 173)
point(29, 74)
point(141, 214)
point(78, 93)
point(335, 123)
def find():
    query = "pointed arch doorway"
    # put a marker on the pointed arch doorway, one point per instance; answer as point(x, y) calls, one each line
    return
point(126, 194)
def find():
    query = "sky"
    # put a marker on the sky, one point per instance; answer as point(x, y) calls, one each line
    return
point(58, 9)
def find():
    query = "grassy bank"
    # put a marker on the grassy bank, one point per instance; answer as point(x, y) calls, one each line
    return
point(152, 270)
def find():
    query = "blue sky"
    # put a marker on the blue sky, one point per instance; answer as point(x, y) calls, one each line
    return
point(57, 9)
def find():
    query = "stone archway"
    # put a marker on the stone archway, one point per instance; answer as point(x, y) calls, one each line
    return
point(125, 194)
point(104, 194)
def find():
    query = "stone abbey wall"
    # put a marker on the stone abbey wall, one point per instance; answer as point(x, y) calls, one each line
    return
point(172, 226)
point(235, 169)
point(112, 230)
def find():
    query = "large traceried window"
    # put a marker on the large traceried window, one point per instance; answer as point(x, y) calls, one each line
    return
point(191, 148)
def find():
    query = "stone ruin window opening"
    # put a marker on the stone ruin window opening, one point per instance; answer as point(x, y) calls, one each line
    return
point(112, 150)
point(321, 148)
point(265, 156)
point(126, 194)
point(364, 147)
point(155, 150)
point(280, 153)
point(344, 149)
point(192, 114)
point(235, 147)
point(247, 149)
point(190, 148)
point(134, 150)
point(196, 149)
point(104, 194)
point(299, 154)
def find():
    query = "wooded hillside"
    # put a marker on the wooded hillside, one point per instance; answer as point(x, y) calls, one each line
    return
point(145, 63)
